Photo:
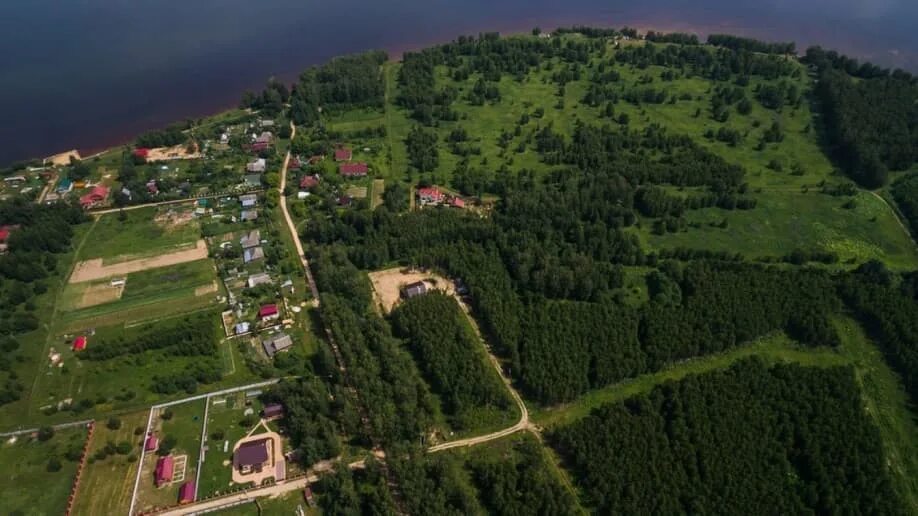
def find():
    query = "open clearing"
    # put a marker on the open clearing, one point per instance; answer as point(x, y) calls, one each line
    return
point(94, 269)
point(26, 485)
point(141, 233)
point(387, 284)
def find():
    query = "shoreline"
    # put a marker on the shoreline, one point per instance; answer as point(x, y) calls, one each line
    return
point(130, 131)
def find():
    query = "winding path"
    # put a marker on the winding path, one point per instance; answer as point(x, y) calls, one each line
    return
point(291, 226)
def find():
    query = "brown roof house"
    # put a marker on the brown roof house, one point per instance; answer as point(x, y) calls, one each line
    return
point(252, 457)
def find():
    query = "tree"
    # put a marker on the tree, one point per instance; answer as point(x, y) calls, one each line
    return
point(45, 433)
point(422, 149)
point(54, 465)
point(113, 423)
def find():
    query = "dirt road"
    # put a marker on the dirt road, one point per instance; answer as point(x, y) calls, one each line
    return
point(291, 226)
point(272, 491)
point(94, 269)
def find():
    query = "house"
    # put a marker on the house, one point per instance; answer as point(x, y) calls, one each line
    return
point(248, 200)
point(98, 194)
point(117, 282)
point(414, 289)
point(5, 232)
point(309, 182)
point(151, 444)
point(142, 152)
point(251, 457)
point(125, 191)
point(248, 215)
point(259, 165)
point(264, 138)
point(302, 195)
point(64, 186)
point(276, 344)
point(186, 493)
point(345, 200)
point(307, 495)
point(252, 254)
point(273, 411)
point(14, 179)
point(359, 169)
point(457, 202)
point(152, 188)
point(79, 343)
point(241, 328)
point(430, 195)
point(258, 279)
point(295, 163)
point(268, 313)
point(315, 160)
point(164, 468)
point(266, 123)
point(250, 239)
point(343, 154)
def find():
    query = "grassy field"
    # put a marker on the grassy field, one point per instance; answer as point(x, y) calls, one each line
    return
point(139, 235)
point(107, 484)
point(787, 220)
point(281, 505)
point(185, 427)
point(777, 348)
point(147, 295)
point(26, 485)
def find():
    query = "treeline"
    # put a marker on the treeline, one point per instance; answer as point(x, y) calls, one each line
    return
point(399, 403)
point(450, 357)
point(194, 335)
point(872, 123)
point(204, 370)
point(168, 137)
point(568, 348)
point(38, 234)
point(751, 45)
point(689, 447)
point(890, 315)
point(343, 83)
point(905, 193)
point(679, 38)
point(313, 419)
point(360, 491)
point(519, 480)
point(719, 64)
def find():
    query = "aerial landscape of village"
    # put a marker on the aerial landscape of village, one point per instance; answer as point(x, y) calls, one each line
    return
point(586, 270)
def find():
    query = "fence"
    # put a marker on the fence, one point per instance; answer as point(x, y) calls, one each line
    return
point(79, 473)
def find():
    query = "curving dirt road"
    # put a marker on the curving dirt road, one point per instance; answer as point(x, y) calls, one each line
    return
point(521, 425)
point(291, 226)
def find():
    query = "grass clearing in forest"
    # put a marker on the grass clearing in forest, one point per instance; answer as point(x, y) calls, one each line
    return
point(137, 234)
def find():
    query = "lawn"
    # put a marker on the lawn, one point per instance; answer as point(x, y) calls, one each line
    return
point(107, 484)
point(26, 485)
point(184, 426)
point(138, 235)
point(287, 504)
point(225, 418)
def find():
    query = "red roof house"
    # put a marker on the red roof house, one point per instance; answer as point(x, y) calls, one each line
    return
point(343, 154)
point(259, 146)
point(186, 493)
point(295, 163)
point(353, 169)
point(430, 195)
point(457, 202)
point(268, 312)
point(4, 233)
point(79, 343)
point(151, 444)
point(164, 467)
point(97, 195)
point(309, 182)
point(142, 152)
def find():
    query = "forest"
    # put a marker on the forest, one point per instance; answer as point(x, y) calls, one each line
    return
point(905, 192)
point(450, 356)
point(751, 439)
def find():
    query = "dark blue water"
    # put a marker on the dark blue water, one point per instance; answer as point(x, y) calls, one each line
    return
point(92, 73)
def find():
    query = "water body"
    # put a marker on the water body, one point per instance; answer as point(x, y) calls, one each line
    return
point(93, 73)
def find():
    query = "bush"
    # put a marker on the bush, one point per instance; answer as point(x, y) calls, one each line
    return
point(54, 465)
point(45, 433)
point(113, 423)
point(166, 415)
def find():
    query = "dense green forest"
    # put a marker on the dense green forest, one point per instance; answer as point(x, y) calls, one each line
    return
point(750, 439)
point(450, 357)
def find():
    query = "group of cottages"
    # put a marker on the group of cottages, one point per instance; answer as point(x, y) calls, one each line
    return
point(346, 167)
point(251, 246)
point(432, 196)
point(164, 471)
point(261, 142)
